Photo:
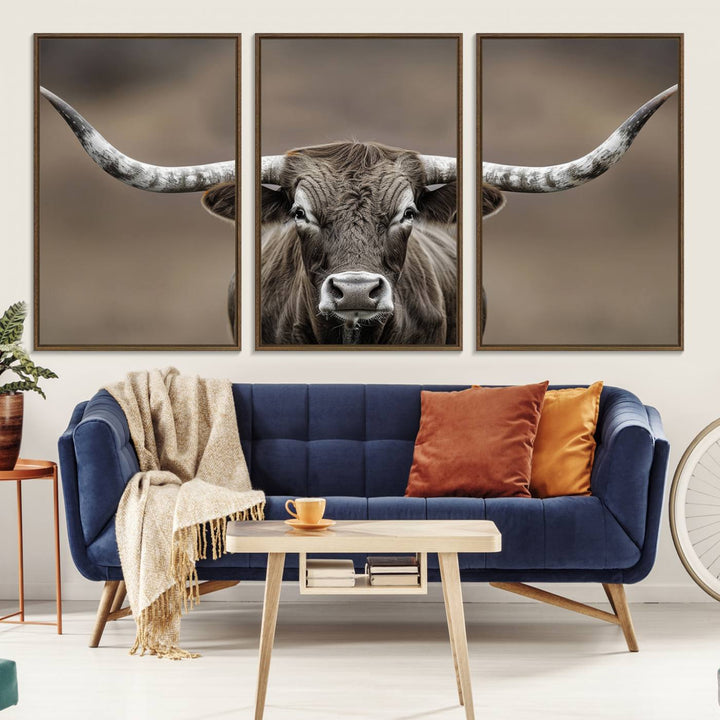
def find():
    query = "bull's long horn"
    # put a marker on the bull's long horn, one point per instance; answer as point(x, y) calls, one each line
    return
point(439, 169)
point(189, 178)
point(271, 169)
point(552, 178)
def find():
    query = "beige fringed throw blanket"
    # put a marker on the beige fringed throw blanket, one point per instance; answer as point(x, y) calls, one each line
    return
point(192, 476)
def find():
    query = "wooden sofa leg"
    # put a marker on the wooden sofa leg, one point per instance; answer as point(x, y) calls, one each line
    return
point(618, 600)
point(610, 598)
point(114, 595)
point(106, 601)
point(119, 598)
point(557, 600)
point(211, 586)
point(615, 594)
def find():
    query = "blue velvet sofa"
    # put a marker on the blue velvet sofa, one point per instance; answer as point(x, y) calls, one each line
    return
point(354, 445)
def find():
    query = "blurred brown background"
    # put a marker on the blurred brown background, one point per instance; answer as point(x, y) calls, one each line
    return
point(397, 91)
point(118, 265)
point(597, 264)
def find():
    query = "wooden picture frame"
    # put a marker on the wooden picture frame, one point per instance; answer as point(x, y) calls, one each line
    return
point(116, 268)
point(607, 274)
point(313, 103)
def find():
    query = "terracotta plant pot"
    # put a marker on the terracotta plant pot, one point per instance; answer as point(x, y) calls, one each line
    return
point(11, 422)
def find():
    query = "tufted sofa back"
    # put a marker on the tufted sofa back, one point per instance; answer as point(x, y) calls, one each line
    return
point(310, 440)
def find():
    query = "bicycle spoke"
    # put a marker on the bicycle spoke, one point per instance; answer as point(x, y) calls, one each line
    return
point(708, 457)
point(711, 473)
point(717, 542)
point(709, 565)
point(700, 527)
point(706, 463)
point(702, 492)
point(707, 537)
point(711, 457)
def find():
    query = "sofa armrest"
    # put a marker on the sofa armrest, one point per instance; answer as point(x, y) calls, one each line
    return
point(105, 459)
point(658, 474)
point(656, 427)
point(623, 460)
point(68, 476)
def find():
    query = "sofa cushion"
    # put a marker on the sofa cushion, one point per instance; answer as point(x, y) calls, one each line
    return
point(565, 443)
point(558, 533)
point(397, 508)
point(387, 466)
point(476, 442)
point(566, 533)
point(104, 551)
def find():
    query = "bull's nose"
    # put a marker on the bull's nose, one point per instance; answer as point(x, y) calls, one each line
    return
point(364, 293)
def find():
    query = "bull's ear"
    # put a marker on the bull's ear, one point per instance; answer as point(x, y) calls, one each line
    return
point(275, 205)
point(220, 201)
point(493, 201)
point(439, 205)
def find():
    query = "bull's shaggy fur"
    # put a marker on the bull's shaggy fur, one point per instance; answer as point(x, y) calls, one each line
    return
point(356, 189)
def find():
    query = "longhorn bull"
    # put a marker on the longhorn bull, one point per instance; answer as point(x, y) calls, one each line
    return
point(369, 292)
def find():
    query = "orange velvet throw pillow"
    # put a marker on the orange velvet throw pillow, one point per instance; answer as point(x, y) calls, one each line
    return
point(565, 444)
point(476, 442)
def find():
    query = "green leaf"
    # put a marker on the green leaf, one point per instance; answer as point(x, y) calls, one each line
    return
point(14, 357)
point(44, 373)
point(11, 323)
point(20, 386)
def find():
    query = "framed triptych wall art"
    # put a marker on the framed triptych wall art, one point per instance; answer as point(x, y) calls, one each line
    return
point(580, 190)
point(134, 135)
point(358, 188)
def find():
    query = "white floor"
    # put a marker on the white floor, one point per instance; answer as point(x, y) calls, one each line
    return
point(367, 659)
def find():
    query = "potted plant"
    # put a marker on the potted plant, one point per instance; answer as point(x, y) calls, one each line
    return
point(14, 358)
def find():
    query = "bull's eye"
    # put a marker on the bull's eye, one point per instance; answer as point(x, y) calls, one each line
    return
point(410, 214)
point(299, 214)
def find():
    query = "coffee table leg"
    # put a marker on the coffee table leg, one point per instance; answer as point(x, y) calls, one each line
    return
point(456, 624)
point(451, 634)
point(273, 582)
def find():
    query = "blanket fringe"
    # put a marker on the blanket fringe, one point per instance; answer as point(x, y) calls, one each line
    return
point(190, 544)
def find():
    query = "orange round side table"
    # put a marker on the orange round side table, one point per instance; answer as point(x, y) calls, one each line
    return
point(31, 470)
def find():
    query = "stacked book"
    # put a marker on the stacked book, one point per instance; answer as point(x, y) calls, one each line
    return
point(392, 570)
point(329, 573)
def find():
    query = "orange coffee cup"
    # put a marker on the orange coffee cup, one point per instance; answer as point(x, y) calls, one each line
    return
point(307, 510)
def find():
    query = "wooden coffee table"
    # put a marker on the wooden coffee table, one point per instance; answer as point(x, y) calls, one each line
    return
point(447, 538)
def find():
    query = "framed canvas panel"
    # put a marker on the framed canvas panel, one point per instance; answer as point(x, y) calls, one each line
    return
point(135, 140)
point(358, 188)
point(579, 182)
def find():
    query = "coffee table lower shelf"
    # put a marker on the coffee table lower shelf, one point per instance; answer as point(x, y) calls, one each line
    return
point(362, 583)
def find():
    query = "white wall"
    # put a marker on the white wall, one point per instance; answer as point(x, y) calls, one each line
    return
point(684, 386)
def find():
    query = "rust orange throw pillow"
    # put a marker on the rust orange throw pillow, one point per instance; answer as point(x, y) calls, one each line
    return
point(476, 442)
point(565, 444)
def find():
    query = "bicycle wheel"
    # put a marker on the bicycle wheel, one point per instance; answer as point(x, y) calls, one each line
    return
point(695, 509)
